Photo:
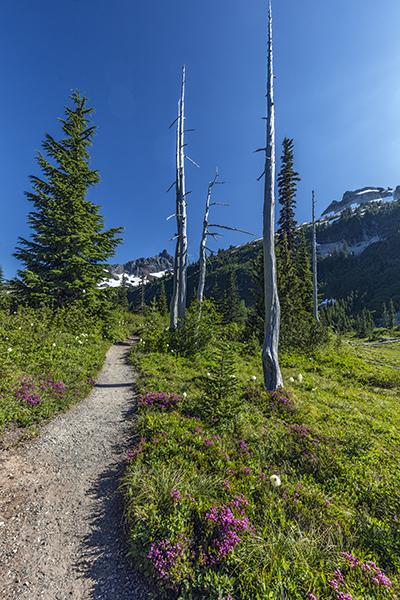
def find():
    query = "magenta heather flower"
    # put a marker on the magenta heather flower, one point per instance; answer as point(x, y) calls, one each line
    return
point(381, 579)
point(301, 430)
point(163, 400)
point(351, 559)
point(247, 470)
point(209, 442)
point(344, 596)
point(176, 495)
point(227, 484)
point(164, 555)
point(311, 596)
point(229, 597)
point(339, 575)
point(334, 584)
point(281, 400)
point(243, 446)
point(133, 453)
point(227, 528)
point(27, 392)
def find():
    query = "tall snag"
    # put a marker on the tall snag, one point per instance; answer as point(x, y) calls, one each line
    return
point(270, 360)
point(178, 301)
point(314, 261)
point(209, 232)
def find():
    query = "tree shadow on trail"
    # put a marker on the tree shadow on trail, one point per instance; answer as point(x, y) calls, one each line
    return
point(104, 557)
point(114, 385)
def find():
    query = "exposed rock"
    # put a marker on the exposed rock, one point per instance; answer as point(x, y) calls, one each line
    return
point(362, 196)
point(144, 266)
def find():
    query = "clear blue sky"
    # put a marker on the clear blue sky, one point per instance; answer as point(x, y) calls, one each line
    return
point(337, 94)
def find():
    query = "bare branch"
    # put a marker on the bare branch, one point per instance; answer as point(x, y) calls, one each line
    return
point(192, 161)
point(261, 176)
point(232, 229)
point(259, 150)
point(171, 217)
point(172, 124)
point(171, 186)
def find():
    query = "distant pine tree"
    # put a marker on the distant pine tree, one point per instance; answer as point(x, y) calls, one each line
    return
point(288, 179)
point(385, 316)
point(66, 256)
point(304, 273)
point(233, 309)
point(364, 323)
point(122, 294)
point(162, 300)
point(392, 316)
point(289, 293)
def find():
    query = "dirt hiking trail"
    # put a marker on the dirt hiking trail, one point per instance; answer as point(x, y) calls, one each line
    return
point(61, 525)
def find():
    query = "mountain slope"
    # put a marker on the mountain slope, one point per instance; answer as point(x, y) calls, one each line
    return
point(359, 249)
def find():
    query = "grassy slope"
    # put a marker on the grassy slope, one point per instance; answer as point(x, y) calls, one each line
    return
point(340, 476)
point(49, 360)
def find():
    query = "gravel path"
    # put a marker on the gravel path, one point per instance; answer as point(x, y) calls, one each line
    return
point(61, 531)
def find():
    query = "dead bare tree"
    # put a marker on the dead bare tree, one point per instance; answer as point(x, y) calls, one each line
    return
point(207, 232)
point(314, 260)
point(270, 359)
point(178, 301)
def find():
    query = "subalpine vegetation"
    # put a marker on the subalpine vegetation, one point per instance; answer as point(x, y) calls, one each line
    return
point(55, 323)
point(254, 474)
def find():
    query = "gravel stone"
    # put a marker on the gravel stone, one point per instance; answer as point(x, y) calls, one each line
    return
point(62, 534)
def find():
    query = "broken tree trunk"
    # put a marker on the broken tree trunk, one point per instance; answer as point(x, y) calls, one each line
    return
point(270, 360)
point(203, 241)
point(174, 299)
point(314, 260)
point(183, 253)
point(178, 301)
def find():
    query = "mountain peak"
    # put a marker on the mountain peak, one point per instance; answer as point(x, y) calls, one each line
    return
point(352, 199)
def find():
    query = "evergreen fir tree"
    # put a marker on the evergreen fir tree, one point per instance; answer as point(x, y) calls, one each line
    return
point(385, 316)
point(392, 315)
point(304, 274)
point(122, 294)
point(65, 258)
point(289, 293)
point(233, 308)
point(287, 188)
point(364, 323)
point(255, 321)
point(162, 300)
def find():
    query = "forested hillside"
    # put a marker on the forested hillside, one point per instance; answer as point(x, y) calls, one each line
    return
point(374, 273)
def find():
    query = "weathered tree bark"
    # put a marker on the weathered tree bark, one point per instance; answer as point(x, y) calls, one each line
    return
point(178, 301)
point(203, 241)
point(314, 260)
point(203, 248)
point(174, 298)
point(270, 360)
point(182, 288)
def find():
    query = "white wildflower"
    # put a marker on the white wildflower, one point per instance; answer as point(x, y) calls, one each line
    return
point(80, 342)
point(275, 480)
point(9, 349)
point(54, 344)
point(291, 379)
point(208, 374)
point(253, 378)
point(300, 378)
point(184, 394)
point(31, 324)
